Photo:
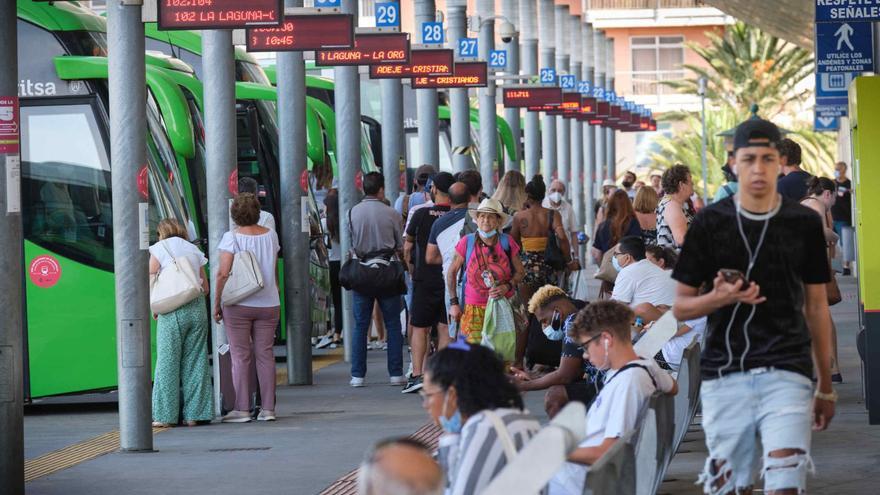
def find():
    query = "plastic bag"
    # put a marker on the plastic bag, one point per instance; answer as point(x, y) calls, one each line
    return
point(499, 328)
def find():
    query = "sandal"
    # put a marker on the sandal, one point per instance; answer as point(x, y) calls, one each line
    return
point(159, 424)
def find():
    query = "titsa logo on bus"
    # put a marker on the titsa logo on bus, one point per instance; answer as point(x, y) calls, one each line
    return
point(26, 87)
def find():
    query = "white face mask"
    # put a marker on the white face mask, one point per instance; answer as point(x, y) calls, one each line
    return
point(556, 196)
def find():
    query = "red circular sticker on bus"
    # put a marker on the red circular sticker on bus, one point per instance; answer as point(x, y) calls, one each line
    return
point(143, 182)
point(304, 181)
point(233, 183)
point(359, 180)
point(45, 271)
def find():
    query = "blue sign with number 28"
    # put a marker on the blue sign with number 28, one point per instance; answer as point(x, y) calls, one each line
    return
point(432, 33)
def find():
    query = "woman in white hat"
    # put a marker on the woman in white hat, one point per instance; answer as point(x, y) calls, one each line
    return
point(492, 269)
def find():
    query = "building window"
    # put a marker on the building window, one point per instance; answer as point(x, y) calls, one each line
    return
point(656, 59)
point(367, 8)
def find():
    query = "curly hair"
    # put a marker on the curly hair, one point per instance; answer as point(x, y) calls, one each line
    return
point(478, 376)
point(536, 189)
point(544, 296)
point(674, 177)
point(791, 150)
point(245, 210)
point(603, 316)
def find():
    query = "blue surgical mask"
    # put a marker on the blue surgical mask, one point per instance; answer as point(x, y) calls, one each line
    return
point(554, 330)
point(488, 234)
point(616, 263)
point(452, 424)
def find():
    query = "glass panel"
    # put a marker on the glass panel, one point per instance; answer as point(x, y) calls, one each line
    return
point(670, 58)
point(66, 183)
point(671, 40)
point(644, 59)
point(413, 151)
point(643, 40)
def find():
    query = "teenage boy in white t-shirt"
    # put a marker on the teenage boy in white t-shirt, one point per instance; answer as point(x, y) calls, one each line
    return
point(603, 329)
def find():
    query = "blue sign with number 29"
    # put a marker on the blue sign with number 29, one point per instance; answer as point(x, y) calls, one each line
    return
point(387, 14)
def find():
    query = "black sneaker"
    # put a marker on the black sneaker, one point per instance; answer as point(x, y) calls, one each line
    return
point(414, 384)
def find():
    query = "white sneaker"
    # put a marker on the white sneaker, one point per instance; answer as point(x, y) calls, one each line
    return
point(266, 415)
point(357, 382)
point(324, 342)
point(237, 417)
point(397, 381)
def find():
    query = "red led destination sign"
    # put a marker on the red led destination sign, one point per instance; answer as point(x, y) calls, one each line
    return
point(218, 14)
point(422, 63)
point(588, 108)
point(304, 33)
point(571, 105)
point(464, 75)
point(369, 48)
point(532, 97)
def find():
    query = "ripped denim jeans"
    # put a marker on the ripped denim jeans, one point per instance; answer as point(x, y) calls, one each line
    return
point(773, 404)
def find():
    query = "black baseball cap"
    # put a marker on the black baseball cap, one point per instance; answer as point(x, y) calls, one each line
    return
point(756, 132)
point(443, 181)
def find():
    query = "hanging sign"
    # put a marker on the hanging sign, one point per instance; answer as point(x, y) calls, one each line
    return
point(304, 32)
point(570, 107)
point(847, 10)
point(532, 96)
point(844, 47)
point(423, 62)
point(387, 15)
point(9, 127)
point(369, 48)
point(218, 14)
point(465, 75)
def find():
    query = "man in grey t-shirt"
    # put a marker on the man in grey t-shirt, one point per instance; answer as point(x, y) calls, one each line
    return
point(375, 226)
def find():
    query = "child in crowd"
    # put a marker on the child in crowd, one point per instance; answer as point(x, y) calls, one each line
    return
point(603, 329)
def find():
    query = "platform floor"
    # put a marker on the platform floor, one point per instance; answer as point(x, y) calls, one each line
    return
point(323, 431)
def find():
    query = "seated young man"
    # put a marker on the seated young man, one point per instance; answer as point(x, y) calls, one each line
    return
point(640, 284)
point(603, 329)
point(555, 311)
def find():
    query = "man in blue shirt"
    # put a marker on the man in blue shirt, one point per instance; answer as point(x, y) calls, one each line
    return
point(794, 184)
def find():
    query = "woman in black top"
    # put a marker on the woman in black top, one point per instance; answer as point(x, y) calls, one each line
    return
point(841, 213)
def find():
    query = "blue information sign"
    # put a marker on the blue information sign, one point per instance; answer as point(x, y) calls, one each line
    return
point(387, 14)
point(548, 76)
point(467, 47)
point(828, 117)
point(844, 47)
point(567, 81)
point(599, 92)
point(585, 88)
point(498, 59)
point(847, 10)
point(432, 33)
point(328, 3)
point(833, 85)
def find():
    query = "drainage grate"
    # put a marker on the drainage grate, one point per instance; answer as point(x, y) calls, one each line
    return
point(240, 449)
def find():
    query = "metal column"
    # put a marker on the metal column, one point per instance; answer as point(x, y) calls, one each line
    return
point(128, 117)
point(610, 136)
point(546, 21)
point(392, 135)
point(294, 228)
point(599, 53)
point(218, 68)
point(426, 99)
point(576, 189)
point(589, 134)
point(11, 290)
point(347, 104)
point(563, 127)
point(529, 38)
point(488, 125)
point(459, 103)
point(510, 10)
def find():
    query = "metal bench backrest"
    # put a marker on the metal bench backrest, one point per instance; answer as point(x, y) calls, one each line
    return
point(654, 443)
point(688, 392)
point(614, 472)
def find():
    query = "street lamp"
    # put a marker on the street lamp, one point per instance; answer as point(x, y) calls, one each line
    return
point(701, 90)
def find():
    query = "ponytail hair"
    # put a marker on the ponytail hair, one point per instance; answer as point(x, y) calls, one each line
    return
point(817, 185)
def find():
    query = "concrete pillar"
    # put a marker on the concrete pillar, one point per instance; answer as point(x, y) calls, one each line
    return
point(546, 25)
point(426, 99)
point(392, 135)
point(529, 39)
point(459, 103)
point(510, 10)
point(589, 134)
point(576, 187)
point(610, 144)
point(488, 126)
point(563, 125)
point(599, 54)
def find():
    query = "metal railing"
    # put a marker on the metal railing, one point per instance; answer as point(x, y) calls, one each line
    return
point(648, 82)
point(646, 4)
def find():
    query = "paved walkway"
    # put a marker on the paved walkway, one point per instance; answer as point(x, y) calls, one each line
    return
point(323, 431)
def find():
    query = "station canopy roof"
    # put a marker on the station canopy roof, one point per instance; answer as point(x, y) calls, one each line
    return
point(791, 20)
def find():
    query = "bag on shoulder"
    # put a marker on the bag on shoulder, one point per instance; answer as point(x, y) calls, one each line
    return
point(553, 256)
point(175, 285)
point(377, 274)
point(606, 272)
point(245, 278)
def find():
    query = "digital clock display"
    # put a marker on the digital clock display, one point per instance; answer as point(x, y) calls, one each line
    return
point(304, 33)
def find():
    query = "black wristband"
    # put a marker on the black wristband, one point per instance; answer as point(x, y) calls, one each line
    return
point(453, 301)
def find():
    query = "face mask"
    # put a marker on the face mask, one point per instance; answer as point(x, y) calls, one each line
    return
point(488, 234)
point(554, 331)
point(627, 184)
point(837, 174)
point(452, 424)
point(556, 197)
point(616, 263)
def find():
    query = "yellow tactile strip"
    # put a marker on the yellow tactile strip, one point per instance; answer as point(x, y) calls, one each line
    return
point(72, 455)
point(347, 485)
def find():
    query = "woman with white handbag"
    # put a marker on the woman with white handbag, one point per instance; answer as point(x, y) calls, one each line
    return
point(249, 305)
point(177, 296)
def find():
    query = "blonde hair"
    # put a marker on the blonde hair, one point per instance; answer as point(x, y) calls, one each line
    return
point(511, 192)
point(170, 227)
point(543, 296)
point(646, 200)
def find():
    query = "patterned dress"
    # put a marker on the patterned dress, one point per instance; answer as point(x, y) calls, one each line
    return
point(664, 232)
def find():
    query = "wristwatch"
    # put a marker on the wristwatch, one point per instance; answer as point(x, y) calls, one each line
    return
point(832, 397)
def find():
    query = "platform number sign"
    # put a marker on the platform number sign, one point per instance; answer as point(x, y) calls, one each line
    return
point(567, 81)
point(387, 14)
point(599, 92)
point(548, 76)
point(432, 33)
point(467, 47)
point(328, 3)
point(584, 88)
point(498, 59)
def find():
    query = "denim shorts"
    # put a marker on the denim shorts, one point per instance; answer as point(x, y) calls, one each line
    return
point(773, 404)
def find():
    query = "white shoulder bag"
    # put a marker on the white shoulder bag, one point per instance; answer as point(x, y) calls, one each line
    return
point(174, 285)
point(245, 278)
